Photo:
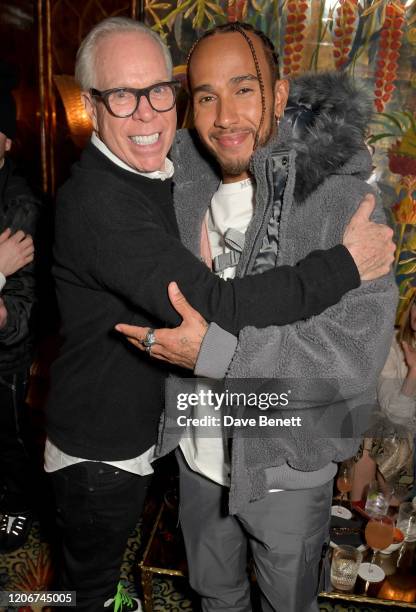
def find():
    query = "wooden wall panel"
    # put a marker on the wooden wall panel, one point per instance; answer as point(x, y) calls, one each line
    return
point(62, 26)
point(18, 42)
point(40, 38)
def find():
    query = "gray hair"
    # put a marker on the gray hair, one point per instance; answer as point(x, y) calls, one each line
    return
point(85, 64)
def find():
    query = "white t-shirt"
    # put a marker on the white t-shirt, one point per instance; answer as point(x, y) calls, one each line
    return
point(204, 448)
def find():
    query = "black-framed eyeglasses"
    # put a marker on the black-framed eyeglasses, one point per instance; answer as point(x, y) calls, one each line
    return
point(123, 101)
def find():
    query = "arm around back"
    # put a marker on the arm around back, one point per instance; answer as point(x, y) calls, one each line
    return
point(132, 253)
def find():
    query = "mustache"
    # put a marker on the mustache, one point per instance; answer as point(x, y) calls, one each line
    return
point(231, 131)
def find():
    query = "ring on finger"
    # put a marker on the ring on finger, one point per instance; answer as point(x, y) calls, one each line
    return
point(149, 339)
point(148, 350)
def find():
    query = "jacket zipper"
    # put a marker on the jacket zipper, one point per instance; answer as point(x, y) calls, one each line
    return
point(282, 155)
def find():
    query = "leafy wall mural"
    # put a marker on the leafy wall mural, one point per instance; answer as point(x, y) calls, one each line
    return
point(374, 40)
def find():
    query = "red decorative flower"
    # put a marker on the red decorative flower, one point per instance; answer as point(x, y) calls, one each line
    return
point(236, 10)
point(345, 26)
point(401, 164)
point(294, 36)
point(388, 53)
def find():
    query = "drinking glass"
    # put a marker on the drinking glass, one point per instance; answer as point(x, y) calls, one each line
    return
point(344, 480)
point(399, 492)
point(344, 568)
point(400, 489)
point(379, 533)
point(378, 498)
point(406, 521)
point(344, 485)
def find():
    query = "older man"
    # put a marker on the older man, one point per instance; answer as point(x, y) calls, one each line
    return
point(301, 164)
point(117, 247)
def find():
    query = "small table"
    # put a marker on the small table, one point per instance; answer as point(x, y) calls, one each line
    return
point(386, 592)
point(165, 555)
point(375, 601)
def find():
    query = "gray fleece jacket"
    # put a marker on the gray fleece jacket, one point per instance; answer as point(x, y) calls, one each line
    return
point(330, 362)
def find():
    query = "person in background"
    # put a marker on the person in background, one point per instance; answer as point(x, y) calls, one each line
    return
point(19, 211)
point(396, 388)
point(391, 458)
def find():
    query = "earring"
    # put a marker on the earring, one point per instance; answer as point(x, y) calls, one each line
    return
point(277, 121)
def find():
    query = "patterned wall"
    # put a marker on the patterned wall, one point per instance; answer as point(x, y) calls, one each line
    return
point(374, 40)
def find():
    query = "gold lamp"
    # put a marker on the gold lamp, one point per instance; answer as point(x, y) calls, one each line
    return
point(80, 126)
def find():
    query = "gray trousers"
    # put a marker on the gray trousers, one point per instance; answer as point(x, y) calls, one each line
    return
point(285, 533)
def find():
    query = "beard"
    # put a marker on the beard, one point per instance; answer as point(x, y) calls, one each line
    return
point(235, 167)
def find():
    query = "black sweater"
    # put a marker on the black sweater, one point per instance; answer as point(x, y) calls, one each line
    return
point(116, 250)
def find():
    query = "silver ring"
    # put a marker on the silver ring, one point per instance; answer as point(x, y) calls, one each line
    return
point(149, 339)
point(148, 350)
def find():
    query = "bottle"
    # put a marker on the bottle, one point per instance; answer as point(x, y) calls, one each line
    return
point(401, 586)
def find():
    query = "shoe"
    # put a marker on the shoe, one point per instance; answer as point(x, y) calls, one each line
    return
point(14, 530)
point(123, 602)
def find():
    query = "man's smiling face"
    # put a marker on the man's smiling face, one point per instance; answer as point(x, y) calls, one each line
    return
point(132, 59)
point(227, 99)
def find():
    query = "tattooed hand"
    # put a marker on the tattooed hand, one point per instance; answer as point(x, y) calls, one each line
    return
point(180, 345)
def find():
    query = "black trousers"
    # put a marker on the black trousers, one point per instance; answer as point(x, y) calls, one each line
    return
point(15, 467)
point(98, 507)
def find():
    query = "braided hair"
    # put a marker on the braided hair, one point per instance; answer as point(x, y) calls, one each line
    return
point(270, 53)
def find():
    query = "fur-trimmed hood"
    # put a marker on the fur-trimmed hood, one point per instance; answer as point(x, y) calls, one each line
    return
point(325, 122)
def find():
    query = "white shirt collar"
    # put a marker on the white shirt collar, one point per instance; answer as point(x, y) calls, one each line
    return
point(157, 174)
